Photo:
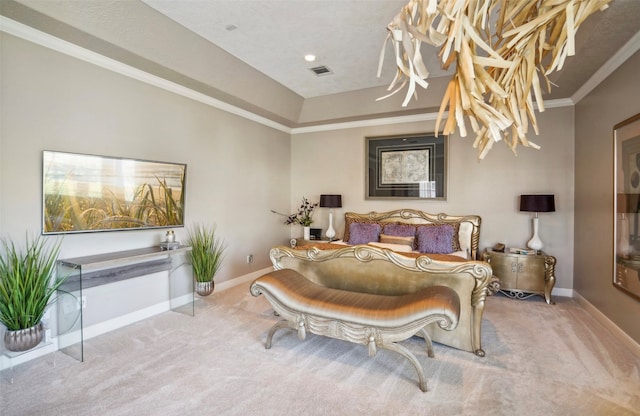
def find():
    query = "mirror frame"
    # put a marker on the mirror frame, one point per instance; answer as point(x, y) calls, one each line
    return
point(626, 206)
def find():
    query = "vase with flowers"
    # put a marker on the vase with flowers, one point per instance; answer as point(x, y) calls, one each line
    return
point(303, 216)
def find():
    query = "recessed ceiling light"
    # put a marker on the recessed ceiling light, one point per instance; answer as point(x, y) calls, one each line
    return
point(309, 58)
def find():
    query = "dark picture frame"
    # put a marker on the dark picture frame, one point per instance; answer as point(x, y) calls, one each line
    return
point(626, 213)
point(410, 166)
point(89, 193)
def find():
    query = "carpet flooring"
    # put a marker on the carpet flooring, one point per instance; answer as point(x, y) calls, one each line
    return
point(541, 360)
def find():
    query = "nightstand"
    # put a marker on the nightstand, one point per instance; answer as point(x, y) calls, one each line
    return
point(298, 242)
point(523, 275)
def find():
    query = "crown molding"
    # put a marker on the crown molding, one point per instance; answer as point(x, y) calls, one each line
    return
point(620, 57)
point(564, 102)
point(46, 40)
point(561, 102)
point(366, 123)
point(38, 37)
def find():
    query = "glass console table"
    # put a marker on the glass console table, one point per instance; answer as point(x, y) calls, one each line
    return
point(91, 271)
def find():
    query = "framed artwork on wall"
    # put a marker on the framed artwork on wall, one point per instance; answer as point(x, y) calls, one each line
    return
point(407, 167)
point(88, 193)
point(626, 274)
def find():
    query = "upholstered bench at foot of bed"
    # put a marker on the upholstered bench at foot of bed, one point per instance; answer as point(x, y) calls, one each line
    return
point(377, 321)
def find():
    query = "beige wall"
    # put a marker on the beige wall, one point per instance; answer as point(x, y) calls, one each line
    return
point(613, 101)
point(239, 170)
point(134, 33)
point(365, 102)
point(236, 169)
point(333, 162)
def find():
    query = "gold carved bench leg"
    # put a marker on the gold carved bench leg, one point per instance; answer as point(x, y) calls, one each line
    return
point(412, 358)
point(280, 324)
point(427, 339)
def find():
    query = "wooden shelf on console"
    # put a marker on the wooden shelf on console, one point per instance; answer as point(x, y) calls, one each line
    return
point(109, 259)
point(101, 269)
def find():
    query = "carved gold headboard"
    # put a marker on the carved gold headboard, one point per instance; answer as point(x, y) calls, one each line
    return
point(469, 225)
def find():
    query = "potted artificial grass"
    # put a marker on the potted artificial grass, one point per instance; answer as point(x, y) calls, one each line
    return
point(206, 255)
point(26, 288)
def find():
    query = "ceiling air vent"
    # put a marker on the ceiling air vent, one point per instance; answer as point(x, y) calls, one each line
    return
point(321, 70)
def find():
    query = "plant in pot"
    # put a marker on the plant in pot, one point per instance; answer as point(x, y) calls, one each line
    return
point(206, 255)
point(302, 217)
point(27, 285)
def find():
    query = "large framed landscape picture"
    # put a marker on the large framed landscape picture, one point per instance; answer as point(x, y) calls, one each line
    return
point(409, 167)
point(88, 193)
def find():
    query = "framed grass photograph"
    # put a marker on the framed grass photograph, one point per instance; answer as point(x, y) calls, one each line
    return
point(88, 193)
point(408, 167)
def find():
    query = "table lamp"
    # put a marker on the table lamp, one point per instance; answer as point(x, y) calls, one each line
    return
point(536, 203)
point(331, 202)
point(626, 205)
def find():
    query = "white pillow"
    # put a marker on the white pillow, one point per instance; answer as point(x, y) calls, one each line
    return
point(462, 254)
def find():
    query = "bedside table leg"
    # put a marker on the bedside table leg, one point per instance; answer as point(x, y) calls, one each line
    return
point(550, 278)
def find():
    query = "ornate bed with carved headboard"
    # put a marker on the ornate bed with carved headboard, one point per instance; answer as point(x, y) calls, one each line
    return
point(462, 230)
point(399, 252)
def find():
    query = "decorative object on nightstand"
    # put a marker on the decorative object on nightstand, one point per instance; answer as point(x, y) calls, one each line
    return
point(315, 234)
point(302, 217)
point(536, 203)
point(499, 247)
point(623, 208)
point(523, 275)
point(331, 202)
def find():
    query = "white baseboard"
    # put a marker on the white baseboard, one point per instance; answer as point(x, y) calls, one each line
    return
point(622, 336)
point(243, 279)
point(40, 351)
point(123, 320)
point(558, 291)
point(130, 318)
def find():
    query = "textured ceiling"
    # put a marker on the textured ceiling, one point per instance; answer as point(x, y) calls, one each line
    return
point(274, 36)
point(347, 36)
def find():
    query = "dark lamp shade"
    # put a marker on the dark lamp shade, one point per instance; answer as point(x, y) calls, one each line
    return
point(331, 201)
point(628, 203)
point(537, 203)
point(621, 203)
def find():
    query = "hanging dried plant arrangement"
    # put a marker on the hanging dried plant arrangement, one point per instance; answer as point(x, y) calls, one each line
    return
point(503, 51)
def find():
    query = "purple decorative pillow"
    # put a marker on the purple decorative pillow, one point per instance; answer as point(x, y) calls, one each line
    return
point(363, 233)
point(399, 230)
point(435, 239)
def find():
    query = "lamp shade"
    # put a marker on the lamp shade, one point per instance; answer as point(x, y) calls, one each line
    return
point(621, 203)
point(537, 203)
point(628, 203)
point(331, 201)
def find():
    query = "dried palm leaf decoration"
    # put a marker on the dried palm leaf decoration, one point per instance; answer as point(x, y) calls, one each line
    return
point(501, 48)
